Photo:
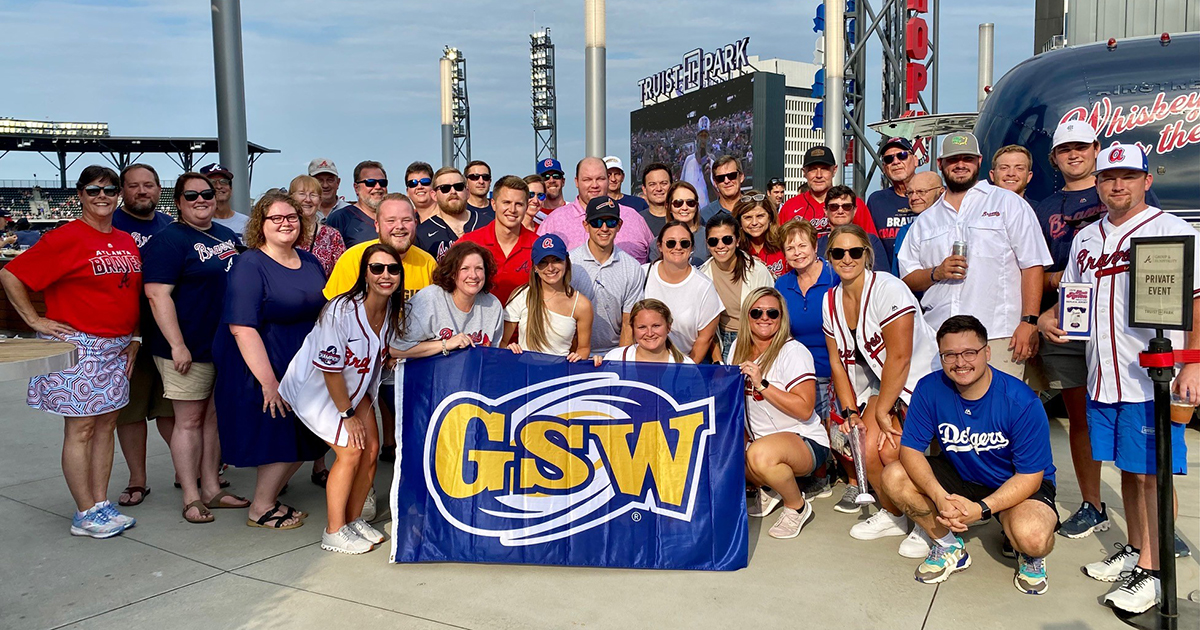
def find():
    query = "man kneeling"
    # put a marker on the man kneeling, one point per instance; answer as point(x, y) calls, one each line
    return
point(995, 458)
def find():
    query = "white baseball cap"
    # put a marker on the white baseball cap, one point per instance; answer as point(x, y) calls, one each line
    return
point(613, 161)
point(1127, 156)
point(322, 165)
point(1073, 131)
point(703, 124)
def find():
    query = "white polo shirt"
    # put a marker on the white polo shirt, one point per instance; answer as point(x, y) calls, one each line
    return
point(1003, 237)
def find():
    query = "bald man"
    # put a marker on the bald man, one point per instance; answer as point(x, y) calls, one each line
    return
point(923, 189)
point(591, 180)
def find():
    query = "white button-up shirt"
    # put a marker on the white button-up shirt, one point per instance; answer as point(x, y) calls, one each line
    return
point(1003, 237)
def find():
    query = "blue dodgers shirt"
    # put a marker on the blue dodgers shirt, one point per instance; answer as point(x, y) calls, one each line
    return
point(1005, 432)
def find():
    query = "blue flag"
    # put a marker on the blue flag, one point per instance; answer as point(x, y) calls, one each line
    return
point(530, 459)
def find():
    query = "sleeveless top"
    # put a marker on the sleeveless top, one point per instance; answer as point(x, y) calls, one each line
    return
point(560, 329)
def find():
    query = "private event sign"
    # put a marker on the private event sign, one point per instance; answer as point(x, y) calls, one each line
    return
point(1160, 282)
point(530, 459)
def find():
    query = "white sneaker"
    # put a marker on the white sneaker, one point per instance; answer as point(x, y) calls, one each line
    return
point(1111, 568)
point(881, 524)
point(345, 540)
point(365, 531)
point(768, 500)
point(368, 511)
point(917, 545)
point(791, 522)
point(1138, 593)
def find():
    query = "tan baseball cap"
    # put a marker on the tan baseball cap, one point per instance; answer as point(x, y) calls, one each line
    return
point(322, 165)
point(960, 144)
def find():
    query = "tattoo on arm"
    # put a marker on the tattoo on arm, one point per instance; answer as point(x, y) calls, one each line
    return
point(914, 512)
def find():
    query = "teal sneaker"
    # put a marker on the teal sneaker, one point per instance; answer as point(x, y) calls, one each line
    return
point(943, 561)
point(1031, 575)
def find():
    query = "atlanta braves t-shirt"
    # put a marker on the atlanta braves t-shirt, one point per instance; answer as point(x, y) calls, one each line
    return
point(890, 212)
point(141, 229)
point(1005, 432)
point(431, 314)
point(197, 263)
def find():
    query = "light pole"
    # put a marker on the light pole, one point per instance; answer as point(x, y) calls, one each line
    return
point(231, 98)
point(594, 81)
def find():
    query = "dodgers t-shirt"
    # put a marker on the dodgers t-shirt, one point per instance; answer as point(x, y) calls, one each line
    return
point(197, 263)
point(890, 212)
point(353, 224)
point(141, 229)
point(1005, 432)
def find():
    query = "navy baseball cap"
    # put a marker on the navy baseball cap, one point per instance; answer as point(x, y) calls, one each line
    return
point(900, 143)
point(549, 245)
point(547, 165)
point(602, 207)
point(216, 170)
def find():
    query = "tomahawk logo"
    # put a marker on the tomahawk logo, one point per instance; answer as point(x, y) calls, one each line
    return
point(547, 461)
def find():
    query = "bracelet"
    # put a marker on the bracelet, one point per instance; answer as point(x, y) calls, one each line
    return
point(445, 351)
point(137, 339)
point(931, 270)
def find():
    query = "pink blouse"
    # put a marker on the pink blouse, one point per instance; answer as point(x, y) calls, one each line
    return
point(327, 247)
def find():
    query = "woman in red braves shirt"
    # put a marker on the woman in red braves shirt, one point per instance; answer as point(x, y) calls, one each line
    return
point(760, 231)
point(92, 276)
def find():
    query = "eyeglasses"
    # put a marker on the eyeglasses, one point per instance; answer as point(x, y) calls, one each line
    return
point(94, 190)
point(757, 313)
point(553, 175)
point(922, 193)
point(724, 240)
point(892, 157)
point(278, 219)
point(487, 177)
point(754, 198)
point(413, 183)
point(727, 177)
point(610, 223)
point(540, 196)
point(950, 358)
point(839, 206)
point(371, 183)
point(376, 269)
point(681, 244)
point(679, 203)
point(192, 195)
point(445, 188)
point(838, 253)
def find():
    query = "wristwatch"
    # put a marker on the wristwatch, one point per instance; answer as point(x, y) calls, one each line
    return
point(347, 413)
point(846, 412)
point(763, 385)
point(985, 512)
point(1029, 319)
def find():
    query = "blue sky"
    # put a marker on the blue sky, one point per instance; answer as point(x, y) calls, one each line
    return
point(358, 79)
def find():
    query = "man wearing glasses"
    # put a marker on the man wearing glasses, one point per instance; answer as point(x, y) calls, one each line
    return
point(551, 171)
point(819, 166)
point(356, 223)
point(222, 181)
point(889, 207)
point(453, 218)
point(418, 180)
point(616, 179)
point(656, 181)
point(607, 276)
point(923, 190)
point(978, 251)
point(995, 460)
point(727, 176)
point(327, 176)
point(775, 190)
point(568, 222)
point(479, 185)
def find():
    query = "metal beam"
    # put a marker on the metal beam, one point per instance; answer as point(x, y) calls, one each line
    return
point(231, 98)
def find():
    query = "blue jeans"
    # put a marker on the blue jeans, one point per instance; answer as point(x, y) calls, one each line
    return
point(822, 406)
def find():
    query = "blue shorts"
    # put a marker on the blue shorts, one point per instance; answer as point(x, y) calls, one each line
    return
point(819, 452)
point(1123, 433)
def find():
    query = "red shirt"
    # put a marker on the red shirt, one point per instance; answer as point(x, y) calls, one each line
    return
point(512, 270)
point(92, 280)
point(776, 262)
point(806, 207)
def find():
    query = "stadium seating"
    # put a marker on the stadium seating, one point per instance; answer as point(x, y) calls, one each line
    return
point(57, 203)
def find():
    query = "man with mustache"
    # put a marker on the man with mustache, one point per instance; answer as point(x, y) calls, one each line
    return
point(819, 165)
point(326, 173)
point(454, 217)
point(356, 223)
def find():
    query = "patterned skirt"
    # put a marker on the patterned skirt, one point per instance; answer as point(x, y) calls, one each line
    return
point(96, 385)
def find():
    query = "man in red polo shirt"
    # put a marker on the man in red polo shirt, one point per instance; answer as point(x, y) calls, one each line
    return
point(819, 165)
point(510, 243)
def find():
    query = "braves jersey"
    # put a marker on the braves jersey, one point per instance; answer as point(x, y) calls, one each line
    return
point(1100, 257)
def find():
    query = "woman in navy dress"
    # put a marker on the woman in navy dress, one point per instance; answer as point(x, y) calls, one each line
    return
point(272, 302)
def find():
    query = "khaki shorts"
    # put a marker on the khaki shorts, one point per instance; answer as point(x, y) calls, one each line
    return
point(197, 384)
point(145, 393)
point(1002, 358)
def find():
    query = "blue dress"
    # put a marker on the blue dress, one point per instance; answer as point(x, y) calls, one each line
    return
point(283, 305)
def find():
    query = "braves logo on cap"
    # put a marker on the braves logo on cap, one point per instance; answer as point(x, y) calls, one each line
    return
point(1117, 155)
point(547, 243)
point(548, 162)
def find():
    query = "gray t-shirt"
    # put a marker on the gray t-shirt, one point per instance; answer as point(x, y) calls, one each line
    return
point(613, 288)
point(431, 314)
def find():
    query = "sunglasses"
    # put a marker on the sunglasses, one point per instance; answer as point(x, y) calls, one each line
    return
point(755, 198)
point(892, 157)
point(838, 253)
point(94, 190)
point(610, 223)
point(553, 176)
point(757, 313)
point(371, 183)
point(679, 203)
point(192, 195)
point(413, 183)
point(540, 196)
point(840, 206)
point(727, 177)
point(445, 188)
point(681, 244)
point(377, 268)
point(279, 219)
point(487, 177)
point(775, 181)
point(724, 240)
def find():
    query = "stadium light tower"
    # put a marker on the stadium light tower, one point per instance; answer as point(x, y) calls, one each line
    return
point(460, 106)
point(545, 110)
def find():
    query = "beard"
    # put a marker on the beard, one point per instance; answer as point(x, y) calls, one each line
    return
point(452, 206)
point(960, 186)
point(141, 209)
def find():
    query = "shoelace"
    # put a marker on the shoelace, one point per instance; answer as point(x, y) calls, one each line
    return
point(99, 516)
point(1132, 580)
point(1033, 566)
point(850, 494)
point(789, 519)
point(1125, 551)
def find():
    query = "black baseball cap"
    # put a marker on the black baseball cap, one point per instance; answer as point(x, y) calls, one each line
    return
point(819, 155)
point(602, 207)
point(899, 143)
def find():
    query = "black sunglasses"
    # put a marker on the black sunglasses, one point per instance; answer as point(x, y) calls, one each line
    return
point(682, 243)
point(727, 177)
point(840, 206)
point(679, 203)
point(192, 195)
point(413, 183)
point(445, 188)
point(94, 190)
point(724, 240)
point(775, 181)
point(377, 268)
point(610, 223)
point(487, 177)
point(757, 313)
point(371, 183)
point(540, 196)
point(892, 157)
point(553, 176)
point(838, 253)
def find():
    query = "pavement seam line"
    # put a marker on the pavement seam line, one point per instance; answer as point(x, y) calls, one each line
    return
point(929, 611)
point(138, 601)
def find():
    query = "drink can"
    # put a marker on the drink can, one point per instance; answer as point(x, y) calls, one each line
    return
point(960, 248)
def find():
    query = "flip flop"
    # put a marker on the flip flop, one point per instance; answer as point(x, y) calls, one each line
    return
point(132, 490)
point(278, 516)
point(215, 502)
point(205, 515)
point(320, 477)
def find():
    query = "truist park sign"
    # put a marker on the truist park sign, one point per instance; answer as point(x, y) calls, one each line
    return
point(698, 70)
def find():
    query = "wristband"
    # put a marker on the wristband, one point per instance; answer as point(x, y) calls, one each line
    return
point(347, 413)
point(137, 339)
point(931, 270)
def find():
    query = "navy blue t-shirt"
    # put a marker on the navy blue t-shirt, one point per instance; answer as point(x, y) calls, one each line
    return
point(637, 203)
point(1064, 213)
point(435, 236)
point(890, 213)
point(197, 263)
point(486, 213)
point(989, 440)
point(353, 224)
point(140, 229)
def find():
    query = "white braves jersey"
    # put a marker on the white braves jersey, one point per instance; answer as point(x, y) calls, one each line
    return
point(1100, 257)
point(1003, 237)
point(792, 366)
point(885, 298)
point(342, 341)
point(693, 173)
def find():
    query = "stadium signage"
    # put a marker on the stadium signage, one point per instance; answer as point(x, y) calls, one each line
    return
point(698, 70)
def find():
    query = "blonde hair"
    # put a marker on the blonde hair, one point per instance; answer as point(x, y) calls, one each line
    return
point(856, 231)
point(657, 306)
point(304, 182)
point(536, 312)
point(742, 352)
point(801, 227)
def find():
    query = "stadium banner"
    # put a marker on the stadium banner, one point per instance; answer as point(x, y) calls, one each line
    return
point(509, 458)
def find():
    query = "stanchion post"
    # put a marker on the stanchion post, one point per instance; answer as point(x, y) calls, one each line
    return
point(1168, 609)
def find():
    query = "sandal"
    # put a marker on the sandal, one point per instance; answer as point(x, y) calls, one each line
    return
point(320, 477)
point(204, 517)
point(224, 484)
point(132, 490)
point(278, 516)
point(215, 502)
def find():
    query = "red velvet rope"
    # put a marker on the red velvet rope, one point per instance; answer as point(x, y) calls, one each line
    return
point(1168, 359)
